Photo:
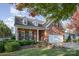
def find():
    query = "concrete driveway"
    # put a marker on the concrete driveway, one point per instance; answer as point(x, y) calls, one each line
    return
point(71, 45)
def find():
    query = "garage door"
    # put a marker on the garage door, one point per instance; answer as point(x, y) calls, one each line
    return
point(55, 38)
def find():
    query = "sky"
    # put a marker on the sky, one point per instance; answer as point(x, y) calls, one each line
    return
point(4, 10)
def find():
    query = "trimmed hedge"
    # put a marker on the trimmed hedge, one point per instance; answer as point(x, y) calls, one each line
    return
point(11, 46)
point(26, 42)
point(1, 46)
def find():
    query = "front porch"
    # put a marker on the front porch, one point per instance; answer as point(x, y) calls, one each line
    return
point(30, 34)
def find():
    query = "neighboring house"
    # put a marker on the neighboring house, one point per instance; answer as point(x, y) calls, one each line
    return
point(28, 30)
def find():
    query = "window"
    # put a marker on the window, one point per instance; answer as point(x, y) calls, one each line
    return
point(30, 35)
point(35, 23)
point(21, 35)
point(35, 36)
point(27, 35)
point(25, 21)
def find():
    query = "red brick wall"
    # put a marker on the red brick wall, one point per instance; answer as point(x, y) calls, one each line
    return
point(54, 29)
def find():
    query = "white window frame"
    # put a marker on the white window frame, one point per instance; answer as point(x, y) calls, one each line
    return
point(35, 23)
point(25, 21)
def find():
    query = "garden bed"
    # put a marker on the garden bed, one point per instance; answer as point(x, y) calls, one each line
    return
point(27, 47)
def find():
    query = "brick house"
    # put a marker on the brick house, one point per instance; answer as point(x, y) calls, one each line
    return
point(27, 30)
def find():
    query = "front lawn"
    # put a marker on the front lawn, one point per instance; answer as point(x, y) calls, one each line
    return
point(43, 52)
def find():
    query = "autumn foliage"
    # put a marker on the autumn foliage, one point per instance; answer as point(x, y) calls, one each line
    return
point(57, 30)
point(75, 20)
point(20, 6)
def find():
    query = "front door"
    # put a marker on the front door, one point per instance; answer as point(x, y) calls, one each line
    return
point(41, 35)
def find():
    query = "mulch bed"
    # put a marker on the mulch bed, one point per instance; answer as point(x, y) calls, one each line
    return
point(27, 46)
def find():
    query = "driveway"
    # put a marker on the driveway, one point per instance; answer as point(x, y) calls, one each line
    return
point(71, 45)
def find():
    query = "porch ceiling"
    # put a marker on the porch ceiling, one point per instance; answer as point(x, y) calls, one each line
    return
point(30, 27)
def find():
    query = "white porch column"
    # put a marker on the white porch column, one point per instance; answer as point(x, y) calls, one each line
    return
point(37, 35)
point(16, 33)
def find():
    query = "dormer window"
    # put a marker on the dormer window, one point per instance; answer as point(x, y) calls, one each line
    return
point(35, 23)
point(25, 21)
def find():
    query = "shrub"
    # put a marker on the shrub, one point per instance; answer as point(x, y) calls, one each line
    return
point(67, 40)
point(78, 40)
point(75, 40)
point(1, 46)
point(4, 41)
point(26, 42)
point(10, 40)
point(13, 37)
point(64, 40)
point(11, 46)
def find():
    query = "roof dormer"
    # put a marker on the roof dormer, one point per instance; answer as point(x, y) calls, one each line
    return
point(35, 23)
point(24, 21)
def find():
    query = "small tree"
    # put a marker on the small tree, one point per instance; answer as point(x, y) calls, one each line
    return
point(4, 30)
point(74, 25)
point(75, 20)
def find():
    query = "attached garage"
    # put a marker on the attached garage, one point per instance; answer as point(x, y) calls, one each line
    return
point(55, 35)
point(55, 38)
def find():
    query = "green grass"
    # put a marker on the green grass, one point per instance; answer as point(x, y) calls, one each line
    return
point(43, 52)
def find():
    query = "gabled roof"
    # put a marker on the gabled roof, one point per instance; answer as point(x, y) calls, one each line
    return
point(18, 21)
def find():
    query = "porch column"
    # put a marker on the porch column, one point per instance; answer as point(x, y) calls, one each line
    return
point(37, 35)
point(16, 33)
